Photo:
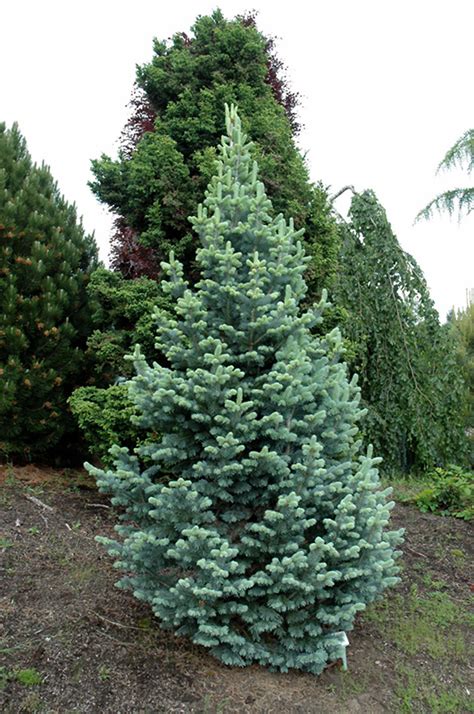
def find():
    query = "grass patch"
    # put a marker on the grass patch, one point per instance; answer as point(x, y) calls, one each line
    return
point(422, 624)
point(81, 574)
point(406, 488)
point(418, 691)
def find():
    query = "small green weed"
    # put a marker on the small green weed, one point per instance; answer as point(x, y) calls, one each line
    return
point(407, 692)
point(6, 543)
point(28, 677)
point(78, 481)
point(406, 487)
point(210, 707)
point(3, 678)
point(429, 582)
point(104, 673)
point(35, 490)
point(145, 623)
point(10, 479)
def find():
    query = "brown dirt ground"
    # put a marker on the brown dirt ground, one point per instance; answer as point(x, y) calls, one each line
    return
point(98, 650)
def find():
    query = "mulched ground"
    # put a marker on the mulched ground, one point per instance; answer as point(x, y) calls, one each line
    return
point(99, 650)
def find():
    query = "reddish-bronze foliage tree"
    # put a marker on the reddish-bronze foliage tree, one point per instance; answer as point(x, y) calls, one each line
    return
point(277, 78)
point(130, 257)
point(142, 119)
point(167, 150)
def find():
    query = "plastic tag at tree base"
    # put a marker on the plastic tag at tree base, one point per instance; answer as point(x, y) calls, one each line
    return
point(343, 644)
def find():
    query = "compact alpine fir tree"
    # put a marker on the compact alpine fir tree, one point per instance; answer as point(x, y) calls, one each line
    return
point(45, 264)
point(253, 525)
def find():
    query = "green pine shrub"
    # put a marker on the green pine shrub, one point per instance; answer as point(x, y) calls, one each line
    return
point(45, 265)
point(104, 417)
point(122, 317)
point(253, 525)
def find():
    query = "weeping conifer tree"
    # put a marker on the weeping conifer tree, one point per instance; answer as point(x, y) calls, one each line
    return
point(253, 525)
point(411, 383)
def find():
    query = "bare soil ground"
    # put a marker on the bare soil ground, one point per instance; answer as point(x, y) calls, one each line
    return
point(72, 642)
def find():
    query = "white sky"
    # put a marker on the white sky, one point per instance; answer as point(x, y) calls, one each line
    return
point(386, 89)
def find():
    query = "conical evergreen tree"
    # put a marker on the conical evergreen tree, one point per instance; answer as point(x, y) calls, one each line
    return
point(45, 263)
point(255, 526)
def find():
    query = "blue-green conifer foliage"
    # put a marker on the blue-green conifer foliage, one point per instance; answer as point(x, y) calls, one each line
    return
point(253, 525)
